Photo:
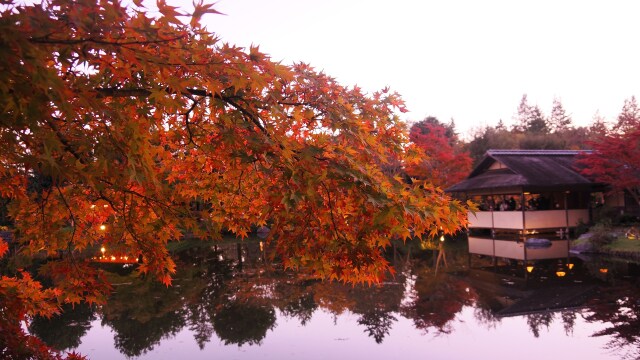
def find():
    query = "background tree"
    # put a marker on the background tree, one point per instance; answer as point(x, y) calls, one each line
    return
point(559, 120)
point(629, 118)
point(537, 123)
point(529, 118)
point(598, 127)
point(133, 118)
point(436, 154)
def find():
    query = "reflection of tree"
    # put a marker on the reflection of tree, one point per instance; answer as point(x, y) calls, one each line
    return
point(537, 320)
point(200, 323)
point(436, 301)
point(301, 308)
point(215, 274)
point(485, 316)
point(620, 307)
point(378, 323)
point(142, 314)
point(569, 321)
point(243, 323)
point(64, 331)
point(142, 311)
point(376, 306)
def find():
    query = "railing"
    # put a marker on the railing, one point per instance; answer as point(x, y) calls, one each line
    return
point(538, 219)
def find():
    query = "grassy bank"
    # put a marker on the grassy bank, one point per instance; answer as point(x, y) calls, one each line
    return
point(615, 241)
point(622, 246)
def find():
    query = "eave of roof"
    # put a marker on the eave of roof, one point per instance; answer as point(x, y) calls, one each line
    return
point(525, 168)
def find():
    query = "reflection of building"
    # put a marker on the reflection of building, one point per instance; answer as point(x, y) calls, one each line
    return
point(529, 202)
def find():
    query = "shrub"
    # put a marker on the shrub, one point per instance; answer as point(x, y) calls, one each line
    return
point(602, 235)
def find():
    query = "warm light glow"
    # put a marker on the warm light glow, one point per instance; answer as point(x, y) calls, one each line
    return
point(113, 258)
point(604, 270)
point(93, 206)
point(570, 266)
point(105, 206)
point(261, 246)
point(102, 227)
point(560, 273)
point(102, 249)
point(529, 268)
point(442, 238)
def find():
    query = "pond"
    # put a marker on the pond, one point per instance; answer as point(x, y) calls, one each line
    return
point(223, 308)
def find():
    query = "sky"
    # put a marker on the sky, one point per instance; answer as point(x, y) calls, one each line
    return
point(470, 61)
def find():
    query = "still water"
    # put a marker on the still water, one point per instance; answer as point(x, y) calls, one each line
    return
point(222, 308)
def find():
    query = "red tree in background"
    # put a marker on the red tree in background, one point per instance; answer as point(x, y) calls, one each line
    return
point(434, 155)
point(615, 160)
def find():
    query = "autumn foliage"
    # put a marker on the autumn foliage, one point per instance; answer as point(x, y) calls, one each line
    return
point(127, 131)
point(434, 156)
point(615, 161)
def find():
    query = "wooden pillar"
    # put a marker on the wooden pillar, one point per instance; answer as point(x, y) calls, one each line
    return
point(493, 234)
point(566, 213)
point(524, 230)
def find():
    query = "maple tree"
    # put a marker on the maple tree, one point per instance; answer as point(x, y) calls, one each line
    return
point(434, 156)
point(615, 161)
point(126, 131)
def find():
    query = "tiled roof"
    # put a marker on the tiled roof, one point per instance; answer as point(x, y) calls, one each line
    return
point(525, 168)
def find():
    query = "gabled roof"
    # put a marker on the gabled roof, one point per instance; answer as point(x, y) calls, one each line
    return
point(524, 168)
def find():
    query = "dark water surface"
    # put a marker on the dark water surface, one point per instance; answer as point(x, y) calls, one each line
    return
point(220, 308)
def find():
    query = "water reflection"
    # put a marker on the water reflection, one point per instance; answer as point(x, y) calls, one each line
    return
point(228, 294)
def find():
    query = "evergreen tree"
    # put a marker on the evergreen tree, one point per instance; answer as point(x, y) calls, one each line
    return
point(530, 118)
point(537, 123)
point(523, 115)
point(598, 126)
point(559, 120)
point(629, 118)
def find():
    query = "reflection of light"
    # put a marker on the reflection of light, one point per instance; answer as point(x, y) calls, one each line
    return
point(466, 289)
point(105, 206)
point(102, 249)
point(93, 206)
point(560, 273)
point(102, 227)
point(570, 266)
point(220, 257)
point(529, 268)
point(604, 270)
point(261, 246)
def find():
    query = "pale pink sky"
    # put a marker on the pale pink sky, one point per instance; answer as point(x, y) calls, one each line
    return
point(467, 60)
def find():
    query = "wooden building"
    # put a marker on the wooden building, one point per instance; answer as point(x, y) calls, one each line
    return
point(530, 201)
